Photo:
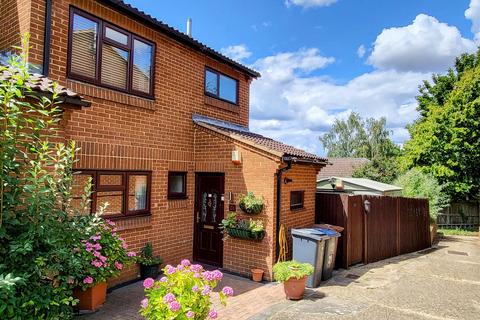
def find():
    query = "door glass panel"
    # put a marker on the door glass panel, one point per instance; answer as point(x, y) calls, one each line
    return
point(137, 192)
point(114, 200)
point(214, 207)
point(204, 206)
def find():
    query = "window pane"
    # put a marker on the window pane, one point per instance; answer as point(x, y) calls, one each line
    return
point(142, 66)
point(176, 184)
point(114, 66)
point(116, 36)
point(211, 82)
point(78, 186)
point(228, 89)
point(114, 199)
point(84, 47)
point(137, 192)
point(111, 180)
point(296, 199)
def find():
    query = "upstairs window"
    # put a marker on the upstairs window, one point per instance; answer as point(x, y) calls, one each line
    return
point(220, 86)
point(105, 55)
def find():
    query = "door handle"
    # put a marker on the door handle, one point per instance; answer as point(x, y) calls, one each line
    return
point(198, 216)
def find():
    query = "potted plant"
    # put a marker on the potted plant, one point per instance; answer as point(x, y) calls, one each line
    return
point(184, 292)
point(149, 264)
point(242, 228)
point(101, 254)
point(251, 204)
point(294, 275)
point(257, 275)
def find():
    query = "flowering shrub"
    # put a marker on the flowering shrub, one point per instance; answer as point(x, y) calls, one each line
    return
point(183, 293)
point(102, 252)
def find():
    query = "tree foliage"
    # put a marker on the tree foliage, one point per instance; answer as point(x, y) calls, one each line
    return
point(445, 140)
point(355, 137)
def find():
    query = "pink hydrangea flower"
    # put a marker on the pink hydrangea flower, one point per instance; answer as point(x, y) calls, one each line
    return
point(163, 279)
point(97, 254)
point(118, 265)
point(148, 283)
point(228, 291)
point(195, 288)
point(102, 258)
point(144, 303)
point(95, 237)
point(124, 245)
point(169, 297)
point(180, 267)
point(88, 280)
point(170, 269)
point(212, 314)
point(185, 262)
point(174, 306)
point(206, 290)
point(97, 246)
point(190, 314)
point(97, 263)
point(132, 254)
point(196, 268)
point(217, 275)
point(197, 275)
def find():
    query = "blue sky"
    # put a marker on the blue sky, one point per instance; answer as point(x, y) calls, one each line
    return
point(322, 59)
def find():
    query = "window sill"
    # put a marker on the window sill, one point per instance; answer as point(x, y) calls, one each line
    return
point(222, 104)
point(132, 222)
point(295, 209)
point(91, 90)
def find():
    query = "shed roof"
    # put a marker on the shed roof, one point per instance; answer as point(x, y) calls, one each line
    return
point(342, 167)
point(367, 183)
point(243, 134)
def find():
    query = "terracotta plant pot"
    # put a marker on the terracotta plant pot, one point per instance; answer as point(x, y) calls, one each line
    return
point(294, 288)
point(257, 275)
point(92, 298)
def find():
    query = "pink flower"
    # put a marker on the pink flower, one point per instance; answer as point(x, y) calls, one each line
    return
point(89, 249)
point(206, 290)
point(217, 275)
point(97, 246)
point(124, 245)
point(185, 262)
point(132, 254)
point(144, 303)
point(228, 291)
point(197, 275)
point(190, 314)
point(97, 254)
point(97, 263)
point(163, 279)
point(195, 288)
point(208, 275)
point(174, 306)
point(148, 283)
point(102, 258)
point(95, 238)
point(118, 265)
point(212, 314)
point(110, 222)
point(196, 268)
point(170, 269)
point(169, 297)
point(180, 267)
point(88, 280)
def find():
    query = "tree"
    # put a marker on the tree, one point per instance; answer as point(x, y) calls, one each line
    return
point(369, 139)
point(418, 184)
point(445, 140)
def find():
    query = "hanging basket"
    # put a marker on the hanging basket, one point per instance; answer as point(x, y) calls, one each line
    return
point(251, 204)
point(245, 234)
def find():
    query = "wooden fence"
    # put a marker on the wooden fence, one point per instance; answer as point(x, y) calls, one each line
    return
point(376, 227)
point(460, 215)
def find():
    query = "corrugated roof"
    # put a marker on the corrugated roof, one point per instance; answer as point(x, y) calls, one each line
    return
point(367, 183)
point(40, 83)
point(243, 133)
point(176, 34)
point(342, 167)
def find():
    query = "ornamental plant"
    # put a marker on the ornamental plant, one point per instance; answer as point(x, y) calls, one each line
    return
point(251, 204)
point(102, 252)
point(283, 271)
point(147, 258)
point(183, 293)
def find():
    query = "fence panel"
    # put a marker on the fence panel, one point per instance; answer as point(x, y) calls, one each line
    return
point(414, 228)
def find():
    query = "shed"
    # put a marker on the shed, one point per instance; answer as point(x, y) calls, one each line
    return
point(360, 186)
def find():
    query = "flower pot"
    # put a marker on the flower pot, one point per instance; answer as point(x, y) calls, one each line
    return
point(245, 234)
point(92, 298)
point(149, 271)
point(294, 288)
point(257, 275)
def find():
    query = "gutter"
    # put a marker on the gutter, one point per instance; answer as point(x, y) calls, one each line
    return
point(46, 37)
point(288, 161)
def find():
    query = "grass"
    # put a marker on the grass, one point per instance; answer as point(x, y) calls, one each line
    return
point(459, 232)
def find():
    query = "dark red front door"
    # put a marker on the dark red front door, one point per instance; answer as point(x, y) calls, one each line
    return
point(208, 244)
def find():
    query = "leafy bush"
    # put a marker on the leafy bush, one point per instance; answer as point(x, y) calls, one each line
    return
point(418, 184)
point(183, 293)
point(147, 258)
point(283, 271)
point(251, 204)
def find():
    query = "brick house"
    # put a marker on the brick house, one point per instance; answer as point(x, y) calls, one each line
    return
point(157, 116)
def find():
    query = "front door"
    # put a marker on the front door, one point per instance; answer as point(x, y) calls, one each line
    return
point(208, 244)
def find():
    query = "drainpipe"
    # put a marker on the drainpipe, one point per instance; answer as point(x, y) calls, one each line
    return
point(46, 37)
point(288, 161)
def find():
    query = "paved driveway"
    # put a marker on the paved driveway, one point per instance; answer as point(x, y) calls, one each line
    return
point(439, 283)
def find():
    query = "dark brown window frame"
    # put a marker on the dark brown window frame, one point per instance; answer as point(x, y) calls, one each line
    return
point(295, 206)
point(177, 195)
point(95, 174)
point(101, 38)
point(217, 96)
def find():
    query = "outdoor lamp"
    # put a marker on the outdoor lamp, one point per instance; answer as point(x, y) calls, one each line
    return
point(366, 205)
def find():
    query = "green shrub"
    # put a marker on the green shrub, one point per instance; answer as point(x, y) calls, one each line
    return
point(418, 184)
point(147, 258)
point(251, 204)
point(282, 271)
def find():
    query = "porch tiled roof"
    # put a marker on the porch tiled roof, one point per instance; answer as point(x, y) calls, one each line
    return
point(243, 133)
point(41, 84)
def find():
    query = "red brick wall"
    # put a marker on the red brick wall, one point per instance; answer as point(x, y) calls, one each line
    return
point(256, 174)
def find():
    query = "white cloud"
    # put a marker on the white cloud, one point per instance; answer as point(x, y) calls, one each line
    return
point(361, 51)
point(237, 52)
point(426, 45)
point(473, 14)
point(309, 3)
